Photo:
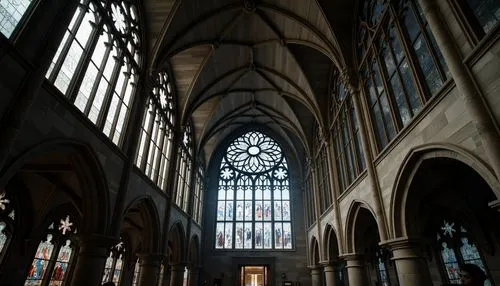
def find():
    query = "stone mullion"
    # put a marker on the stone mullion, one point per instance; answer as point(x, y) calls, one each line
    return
point(148, 134)
point(473, 99)
point(13, 120)
point(317, 205)
point(159, 146)
point(370, 166)
point(334, 186)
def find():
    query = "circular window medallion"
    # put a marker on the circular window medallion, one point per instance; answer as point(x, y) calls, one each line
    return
point(254, 152)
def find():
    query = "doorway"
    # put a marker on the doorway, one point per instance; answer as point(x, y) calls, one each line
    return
point(254, 275)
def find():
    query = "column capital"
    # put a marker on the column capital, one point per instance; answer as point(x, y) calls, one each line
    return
point(150, 258)
point(315, 267)
point(404, 242)
point(351, 256)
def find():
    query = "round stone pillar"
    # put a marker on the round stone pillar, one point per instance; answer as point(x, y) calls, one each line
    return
point(149, 269)
point(316, 273)
point(329, 271)
point(89, 265)
point(356, 272)
point(177, 274)
point(411, 264)
point(194, 273)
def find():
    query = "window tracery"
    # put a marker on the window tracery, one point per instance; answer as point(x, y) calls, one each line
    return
point(114, 264)
point(54, 255)
point(11, 14)
point(347, 138)
point(400, 63)
point(156, 139)
point(457, 247)
point(7, 220)
point(185, 169)
point(96, 65)
point(253, 209)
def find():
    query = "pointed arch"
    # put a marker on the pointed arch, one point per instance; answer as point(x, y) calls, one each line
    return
point(411, 165)
point(150, 232)
point(315, 253)
point(91, 177)
point(352, 220)
point(331, 245)
point(194, 251)
point(176, 242)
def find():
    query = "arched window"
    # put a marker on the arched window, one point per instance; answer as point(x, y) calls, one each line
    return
point(54, 255)
point(137, 267)
point(381, 265)
point(155, 143)
point(198, 196)
point(348, 149)
point(253, 195)
point(401, 65)
point(97, 63)
point(7, 217)
point(456, 247)
point(114, 264)
point(322, 171)
point(11, 14)
point(485, 14)
point(184, 170)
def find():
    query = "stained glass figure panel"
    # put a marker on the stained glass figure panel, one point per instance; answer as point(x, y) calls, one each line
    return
point(3, 236)
point(62, 264)
point(37, 270)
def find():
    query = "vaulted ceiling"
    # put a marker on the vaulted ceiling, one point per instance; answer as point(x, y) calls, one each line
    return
point(239, 62)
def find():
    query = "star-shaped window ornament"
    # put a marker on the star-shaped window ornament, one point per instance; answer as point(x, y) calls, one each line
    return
point(3, 201)
point(65, 225)
point(448, 228)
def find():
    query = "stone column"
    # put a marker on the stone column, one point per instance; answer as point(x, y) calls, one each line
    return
point(89, 266)
point(411, 264)
point(149, 269)
point(329, 271)
point(194, 273)
point(316, 275)
point(356, 272)
point(473, 100)
point(177, 274)
point(165, 279)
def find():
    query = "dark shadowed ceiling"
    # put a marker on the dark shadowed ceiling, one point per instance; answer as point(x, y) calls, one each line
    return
point(237, 62)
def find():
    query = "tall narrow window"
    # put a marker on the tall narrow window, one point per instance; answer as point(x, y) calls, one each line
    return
point(398, 57)
point(156, 141)
point(11, 13)
point(114, 264)
point(97, 63)
point(198, 196)
point(457, 247)
point(486, 12)
point(54, 255)
point(322, 172)
point(253, 208)
point(348, 149)
point(137, 267)
point(7, 217)
point(184, 170)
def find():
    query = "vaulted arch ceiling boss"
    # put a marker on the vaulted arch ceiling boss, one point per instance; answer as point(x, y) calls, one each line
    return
point(247, 61)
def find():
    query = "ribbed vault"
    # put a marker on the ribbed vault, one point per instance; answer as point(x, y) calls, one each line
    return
point(237, 62)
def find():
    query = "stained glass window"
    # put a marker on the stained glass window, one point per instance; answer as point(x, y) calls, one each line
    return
point(456, 247)
point(97, 63)
point(184, 169)
point(487, 12)
point(393, 76)
point(114, 264)
point(253, 208)
point(54, 255)
point(198, 196)
point(7, 217)
point(382, 269)
point(348, 149)
point(156, 141)
point(137, 267)
point(11, 13)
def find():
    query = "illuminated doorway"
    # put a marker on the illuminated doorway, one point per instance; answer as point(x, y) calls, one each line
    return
point(254, 276)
